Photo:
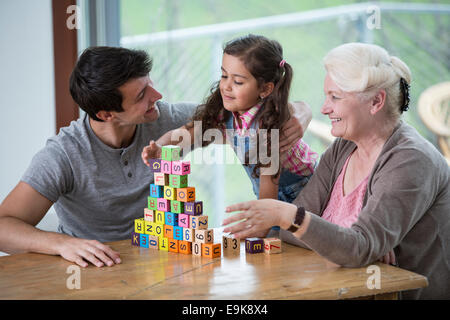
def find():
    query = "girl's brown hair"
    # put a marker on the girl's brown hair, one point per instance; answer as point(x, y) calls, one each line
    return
point(262, 58)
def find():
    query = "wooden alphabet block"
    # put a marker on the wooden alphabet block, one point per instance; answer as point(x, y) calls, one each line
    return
point(166, 167)
point(156, 191)
point(197, 248)
point(183, 220)
point(173, 245)
point(176, 181)
point(144, 240)
point(159, 229)
point(152, 203)
point(211, 250)
point(181, 167)
point(185, 247)
point(176, 206)
point(149, 228)
point(178, 233)
point(170, 193)
point(139, 225)
point(188, 234)
point(230, 244)
point(153, 242)
point(168, 231)
point(163, 244)
point(199, 222)
point(161, 179)
point(194, 208)
point(155, 165)
point(272, 245)
point(171, 218)
point(163, 204)
point(160, 217)
point(135, 239)
point(204, 235)
point(254, 245)
point(149, 215)
point(186, 194)
point(170, 153)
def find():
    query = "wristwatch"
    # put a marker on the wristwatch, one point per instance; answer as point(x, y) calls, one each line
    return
point(298, 220)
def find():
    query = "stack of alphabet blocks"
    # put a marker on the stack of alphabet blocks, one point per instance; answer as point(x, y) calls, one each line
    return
point(173, 220)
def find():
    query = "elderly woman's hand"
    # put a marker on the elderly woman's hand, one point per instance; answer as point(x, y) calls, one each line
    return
point(258, 216)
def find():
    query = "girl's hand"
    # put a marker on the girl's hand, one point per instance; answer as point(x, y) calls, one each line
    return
point(389, 258)
point(257, 216)
point(152, 151)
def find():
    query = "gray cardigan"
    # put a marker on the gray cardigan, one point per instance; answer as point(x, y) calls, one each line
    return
point(406, 208)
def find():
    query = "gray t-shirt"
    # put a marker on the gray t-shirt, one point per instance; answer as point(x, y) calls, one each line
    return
point(97, 190)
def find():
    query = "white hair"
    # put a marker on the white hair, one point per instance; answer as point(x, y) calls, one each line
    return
point(365, 69)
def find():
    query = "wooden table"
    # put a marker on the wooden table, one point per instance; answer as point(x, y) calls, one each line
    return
point(295, 273)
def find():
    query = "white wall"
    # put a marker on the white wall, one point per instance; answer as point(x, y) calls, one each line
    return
point(27, 107)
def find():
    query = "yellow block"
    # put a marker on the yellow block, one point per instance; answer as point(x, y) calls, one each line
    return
point(163, 244)
point(170, 193)
point(150, 228)
point(159, 216)
point(139, 225)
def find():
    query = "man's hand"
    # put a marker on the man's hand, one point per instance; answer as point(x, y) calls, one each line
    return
point(152, 151)
point(295, 128)
point(82, 251)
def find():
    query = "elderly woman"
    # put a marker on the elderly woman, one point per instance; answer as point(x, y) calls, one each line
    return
point(380, 191)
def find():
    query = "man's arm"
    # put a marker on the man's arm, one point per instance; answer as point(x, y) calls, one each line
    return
point(22, 209)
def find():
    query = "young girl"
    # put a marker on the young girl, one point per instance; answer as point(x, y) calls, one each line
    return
point(252, 94)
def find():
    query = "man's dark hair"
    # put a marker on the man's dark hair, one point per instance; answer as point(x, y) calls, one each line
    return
point(98, 74)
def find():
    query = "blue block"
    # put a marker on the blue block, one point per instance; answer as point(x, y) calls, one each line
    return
point(144, 240)
point(156, 191)
point(178, 233)
point(171, 218)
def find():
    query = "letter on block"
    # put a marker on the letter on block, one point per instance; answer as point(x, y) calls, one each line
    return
point(168, 231)
point(163, 204)
point(176, 181)
point(166, 167)
point(176, 206)
point(173, 245)
point(170, 153)
point(171, 218)
point(254, 245)
point(156, 191)
point(194, 208)
point(199, 222)
point(153, 242)
point(170, 193)
point(163, 244)
point(139, 225)
point(204, 235)
point(181, 167)
point(160, 217)
point(159, 230)
point(161, 179)
point(230, 244)
point(155, 165)
point(144, 240)
point(272, 245)
point(211, 250)
point(152, 203)
point(197, 248)
point(149, 215)
point(188, 234)
point(185, 247)
point(149, 228)
point(186, 194)
point(178, 233)
point(135, 239)
point(183, 220)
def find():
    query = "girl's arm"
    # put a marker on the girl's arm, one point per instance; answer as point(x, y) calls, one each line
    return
point(268, 189)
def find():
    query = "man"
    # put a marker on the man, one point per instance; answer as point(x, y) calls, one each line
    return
point(92, 170)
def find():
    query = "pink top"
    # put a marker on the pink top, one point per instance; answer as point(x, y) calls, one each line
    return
point(341, 209)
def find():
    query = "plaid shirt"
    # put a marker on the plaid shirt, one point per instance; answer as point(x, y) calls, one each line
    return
point(299, 159)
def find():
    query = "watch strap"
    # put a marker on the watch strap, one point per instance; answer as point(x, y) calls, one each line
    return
point(298, 220)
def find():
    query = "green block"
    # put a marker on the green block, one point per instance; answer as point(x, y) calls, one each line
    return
point(170, 153)
point(152, 203)
point(178, 181)
point(176, 206)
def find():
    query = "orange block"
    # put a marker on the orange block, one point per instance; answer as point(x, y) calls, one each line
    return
point(168, 231)
point(185, 247)
point(173, 245)
point(211, 250)
point(186, 194)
